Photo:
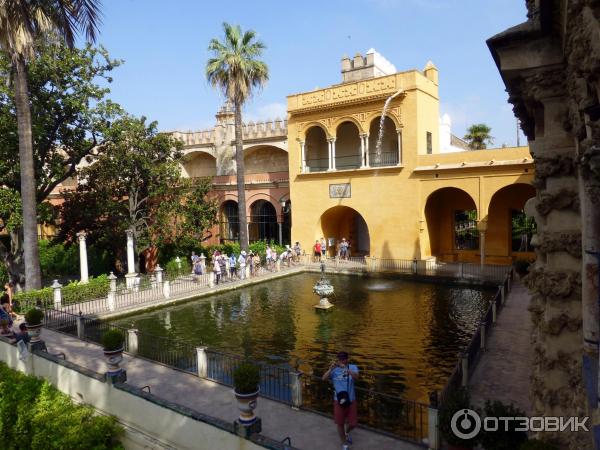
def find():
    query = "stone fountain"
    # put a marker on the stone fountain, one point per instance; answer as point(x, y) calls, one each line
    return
point(323, 289)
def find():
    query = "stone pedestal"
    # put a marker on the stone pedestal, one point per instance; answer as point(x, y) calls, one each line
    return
point(247, 431)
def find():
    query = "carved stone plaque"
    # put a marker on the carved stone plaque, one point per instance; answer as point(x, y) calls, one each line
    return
point(340, 190)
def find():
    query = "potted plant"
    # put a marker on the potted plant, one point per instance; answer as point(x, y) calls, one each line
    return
point(504, 438)
point(112, 344)
point(457, 400)
point(33, 321)
point(246, 379)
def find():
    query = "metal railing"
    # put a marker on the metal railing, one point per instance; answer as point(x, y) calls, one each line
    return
point(383, 159)
point(468, 359)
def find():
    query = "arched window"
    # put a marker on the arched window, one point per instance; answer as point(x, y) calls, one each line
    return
point(263, 222)
point(230, 224)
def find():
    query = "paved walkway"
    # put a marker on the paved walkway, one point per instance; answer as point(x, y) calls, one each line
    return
point(306, 430)
point(504, 369)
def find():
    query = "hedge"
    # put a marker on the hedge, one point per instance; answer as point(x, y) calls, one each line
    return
point(35, 415)
point(74, 292)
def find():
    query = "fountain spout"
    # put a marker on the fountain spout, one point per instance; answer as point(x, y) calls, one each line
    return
point(381, 125)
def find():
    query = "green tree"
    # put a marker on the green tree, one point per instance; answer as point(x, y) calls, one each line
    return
point(70, 114)
point(21, 22)
point(136, 184)
point(478, 136)
point(236, 70)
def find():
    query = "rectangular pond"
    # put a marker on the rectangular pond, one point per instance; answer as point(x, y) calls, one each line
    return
point(403, 335)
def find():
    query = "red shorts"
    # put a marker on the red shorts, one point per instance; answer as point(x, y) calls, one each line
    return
point(342, 415)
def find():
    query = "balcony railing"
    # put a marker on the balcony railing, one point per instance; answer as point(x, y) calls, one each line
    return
point(383, 159)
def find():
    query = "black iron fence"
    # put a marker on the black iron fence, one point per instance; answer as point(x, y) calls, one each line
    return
point(468, 359)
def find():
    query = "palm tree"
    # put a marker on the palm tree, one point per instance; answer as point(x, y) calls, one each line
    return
point(21, 23)
point(235, 69)
point(478, 136)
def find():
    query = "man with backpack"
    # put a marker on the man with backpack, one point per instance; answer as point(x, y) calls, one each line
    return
point(343, 375)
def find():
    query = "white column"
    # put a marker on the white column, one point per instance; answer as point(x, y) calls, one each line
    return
point(131, 274)
point(83, 262)
point(333, 154)
point(482, 246)
point(303, 157)
point(329, 165)
point(363, 158)
point(130, 253)
point(280, 226)
point(367, 149)
point(399, 147)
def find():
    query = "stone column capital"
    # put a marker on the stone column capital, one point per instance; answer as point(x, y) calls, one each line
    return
point(81, 236)
point(129, 233)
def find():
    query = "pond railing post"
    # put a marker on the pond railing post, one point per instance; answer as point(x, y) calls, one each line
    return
point(132, 341)
point(465, 369)
point(482, 336)
point(202, 361)
point(433, 432)
point(80, 327)
point(296, 387)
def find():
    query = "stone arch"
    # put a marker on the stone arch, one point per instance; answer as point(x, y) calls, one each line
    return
point(451, 225)
point(343, 119)
point(344, 222)
point(307, 126)
point(390, 114)
point(229, 225)
point(347, 146)
point(388, 154)
point(199, 164)
point(265, 158)
point(263, 225)
point(509, 232)
point(263, 196)
point(316, 149)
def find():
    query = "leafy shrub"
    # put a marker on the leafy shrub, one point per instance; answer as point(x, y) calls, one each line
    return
point(58, 260)
point(74, 292)
point(35, 415)
point(534, 444)
point(246, 378)
point(34, 316)
point(113, 339)
point(456, 400)
point(172, 268)
point(522, 266)
point(503, 439)
point(3, 274)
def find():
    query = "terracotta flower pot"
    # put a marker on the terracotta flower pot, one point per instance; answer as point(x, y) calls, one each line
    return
point(34, 332)
point(113, 359)
point(247, 405)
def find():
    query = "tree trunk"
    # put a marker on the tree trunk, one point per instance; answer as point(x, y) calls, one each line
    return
point(31, 254)
point(241, 183)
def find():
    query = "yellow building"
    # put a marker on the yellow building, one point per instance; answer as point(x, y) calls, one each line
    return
point(400, 198)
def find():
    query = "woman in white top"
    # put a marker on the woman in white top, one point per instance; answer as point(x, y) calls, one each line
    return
point(216, 269)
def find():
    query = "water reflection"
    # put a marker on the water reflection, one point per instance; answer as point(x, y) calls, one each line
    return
point(404, 336)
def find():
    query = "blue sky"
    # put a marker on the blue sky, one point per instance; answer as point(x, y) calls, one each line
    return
point(164, 46)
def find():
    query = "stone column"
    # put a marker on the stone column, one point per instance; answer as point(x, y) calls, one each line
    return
point(83, 262)
point(367, 163)
point(363, 157)
point(331, 154)
point(399, 131)
point(482, 228)
point(131, 274)
point(280, 229)
point(302, 157)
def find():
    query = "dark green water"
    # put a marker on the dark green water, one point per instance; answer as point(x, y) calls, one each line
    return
point(404, 336)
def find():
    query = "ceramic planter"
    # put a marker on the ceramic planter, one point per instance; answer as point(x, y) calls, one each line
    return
point(34, 332)
point(247, 405)
point(113, 359)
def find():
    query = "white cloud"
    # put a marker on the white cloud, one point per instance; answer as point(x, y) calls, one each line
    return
point(269, 111)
